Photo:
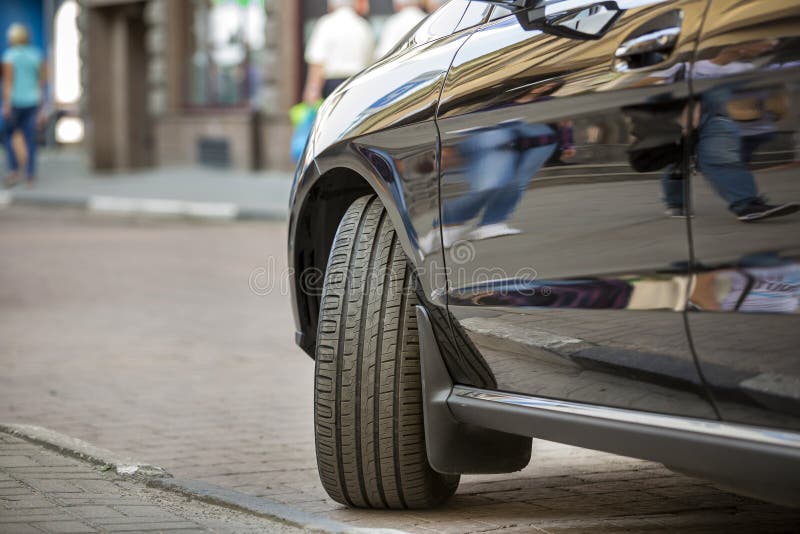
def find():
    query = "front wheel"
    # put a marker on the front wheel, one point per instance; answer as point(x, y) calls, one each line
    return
point(370, 436)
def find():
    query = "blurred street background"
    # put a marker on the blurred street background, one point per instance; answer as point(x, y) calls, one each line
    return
point(143, 284)
point(142, 84)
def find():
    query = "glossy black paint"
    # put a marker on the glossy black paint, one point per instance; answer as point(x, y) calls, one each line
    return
point(583, 287)
point(590, 293)
point(744, 317)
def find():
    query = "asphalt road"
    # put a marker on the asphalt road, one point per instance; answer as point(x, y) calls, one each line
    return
point(171, 341)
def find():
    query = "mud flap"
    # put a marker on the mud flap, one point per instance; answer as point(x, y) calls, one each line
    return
point(454, 447)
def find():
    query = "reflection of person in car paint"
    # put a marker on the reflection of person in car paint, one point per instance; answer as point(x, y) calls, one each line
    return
point(723, 149)
point(499, 162)
point(432, 5)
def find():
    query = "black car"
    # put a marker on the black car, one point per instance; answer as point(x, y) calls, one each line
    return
point(547, 218)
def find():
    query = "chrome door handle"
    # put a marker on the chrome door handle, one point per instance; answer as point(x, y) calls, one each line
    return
point(656, 41)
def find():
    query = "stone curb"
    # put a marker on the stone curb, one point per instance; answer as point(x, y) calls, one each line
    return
point(83, 451)
point(155, 207)
point(158, 478)
point(213, 494)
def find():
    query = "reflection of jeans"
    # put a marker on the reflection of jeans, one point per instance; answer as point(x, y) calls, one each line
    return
point(672, 187)
point(21, 119)
point(720, 159)
point(498, 172)
point(751, 142)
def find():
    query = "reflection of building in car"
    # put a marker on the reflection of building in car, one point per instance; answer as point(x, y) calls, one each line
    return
point(770, 285)
point(764, 284)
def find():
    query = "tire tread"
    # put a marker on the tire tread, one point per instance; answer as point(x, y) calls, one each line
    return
point(369, 431)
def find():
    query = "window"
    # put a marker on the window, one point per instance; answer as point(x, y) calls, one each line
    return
point(67, 73)
point(67, 60)
point(500, 12)
point(228, 46)
point(440, 23)
point(592, 21)
point(474, 15)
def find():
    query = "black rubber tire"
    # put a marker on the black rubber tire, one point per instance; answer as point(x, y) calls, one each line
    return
point(370, 437)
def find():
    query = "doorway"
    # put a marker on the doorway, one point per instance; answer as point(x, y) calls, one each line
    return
point(121, 129)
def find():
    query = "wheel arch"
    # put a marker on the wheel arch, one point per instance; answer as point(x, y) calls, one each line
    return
point(321, 198)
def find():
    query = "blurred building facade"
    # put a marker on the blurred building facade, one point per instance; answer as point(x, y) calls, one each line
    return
point(186, 81)
point(169, 82)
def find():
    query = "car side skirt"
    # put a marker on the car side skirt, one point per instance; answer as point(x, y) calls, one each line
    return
point(760, 462)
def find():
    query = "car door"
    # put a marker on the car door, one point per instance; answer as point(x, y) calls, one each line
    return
point(559, 127)
point(744, 318)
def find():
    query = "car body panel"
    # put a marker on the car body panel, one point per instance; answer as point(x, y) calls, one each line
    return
point(745, 315)
point(584, 302)
point(592, 325)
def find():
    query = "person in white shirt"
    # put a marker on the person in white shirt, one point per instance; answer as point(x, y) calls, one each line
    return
point(341, 46)
point(432, 5)
point(407, 15)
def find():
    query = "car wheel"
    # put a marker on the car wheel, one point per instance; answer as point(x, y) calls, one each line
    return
point(368, 417)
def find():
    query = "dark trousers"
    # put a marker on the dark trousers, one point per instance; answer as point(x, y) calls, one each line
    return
point(722, 158)
point(23, 119)
point(331, 85)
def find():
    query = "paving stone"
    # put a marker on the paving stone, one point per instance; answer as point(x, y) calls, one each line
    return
point(108, 504)
point(13, 491)
point(152, 527)
point(86, 499)
point(57, 486)
point(94, 511)
point(196, 373)
point(94, 485)
point(16, 460)
point(64, 527)
point(144, 511)
point(24, 502)
point(50, 514)
point(52, 472)
point(21, 528)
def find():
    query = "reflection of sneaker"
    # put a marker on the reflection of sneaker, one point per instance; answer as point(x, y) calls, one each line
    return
point(489, 231)
point(759, 210)
point(449, 234)
point(453, 234)
point(429, 242)
point(11, 180)
point(677, 213)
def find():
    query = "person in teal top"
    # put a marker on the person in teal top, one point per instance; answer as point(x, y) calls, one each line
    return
point(23, 86)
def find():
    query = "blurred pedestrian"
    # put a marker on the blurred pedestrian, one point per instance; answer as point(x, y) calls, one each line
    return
point(362, 7)
point(341, 46)
point(407, 15)
point(23, 86)
point(432, 5)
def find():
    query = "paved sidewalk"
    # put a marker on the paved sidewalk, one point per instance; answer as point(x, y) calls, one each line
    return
point(42, 491)
point(65, 180)
point(172, 342)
